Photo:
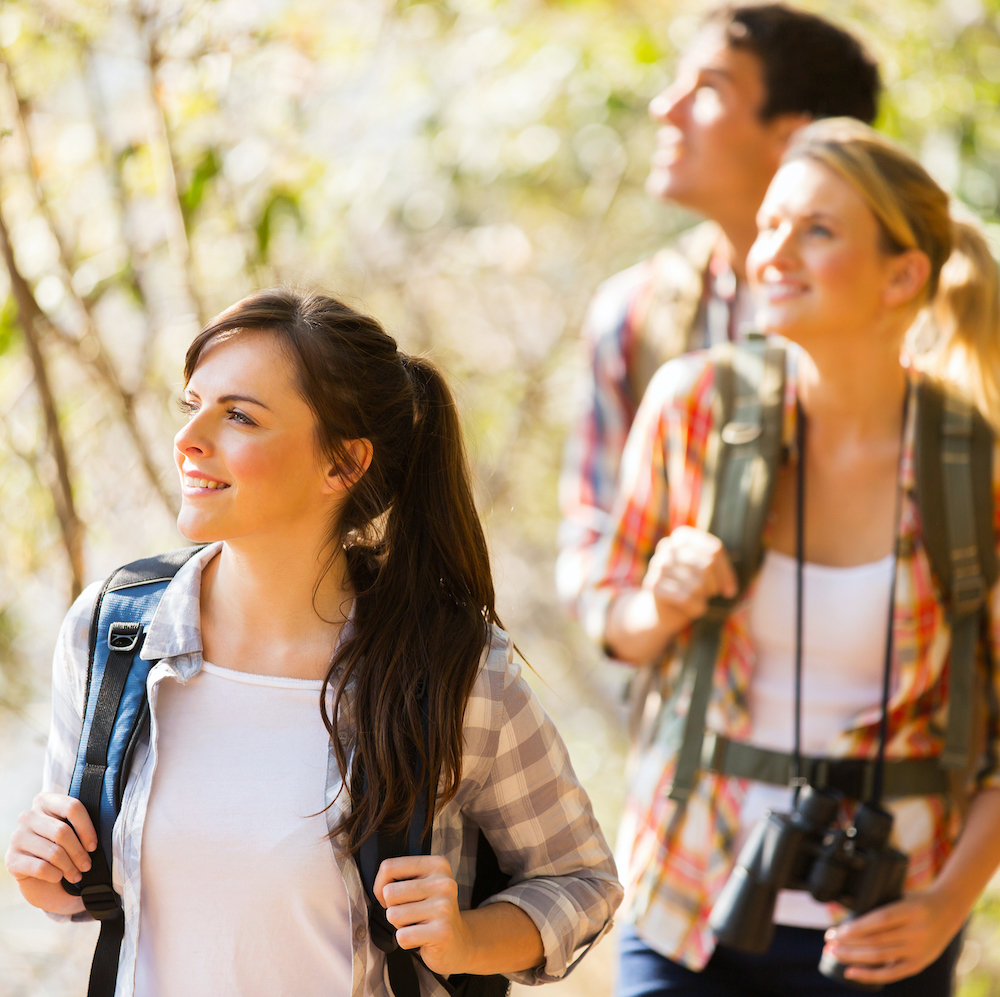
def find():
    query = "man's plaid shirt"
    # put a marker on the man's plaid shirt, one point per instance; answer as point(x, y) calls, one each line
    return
point(675, 860)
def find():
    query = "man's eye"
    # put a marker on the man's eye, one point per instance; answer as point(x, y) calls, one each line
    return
point(707, 104)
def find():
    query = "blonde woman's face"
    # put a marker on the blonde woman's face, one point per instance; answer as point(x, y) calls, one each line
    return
point(817, 268)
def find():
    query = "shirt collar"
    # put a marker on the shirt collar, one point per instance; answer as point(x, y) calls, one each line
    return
point(176, 625)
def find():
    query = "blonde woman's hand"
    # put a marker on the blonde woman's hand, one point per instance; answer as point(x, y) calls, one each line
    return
point(420, 897)
point(897, 940)
point(689, 567)
point(51, 841)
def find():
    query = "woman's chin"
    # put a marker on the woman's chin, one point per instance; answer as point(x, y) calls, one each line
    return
point(196, 528)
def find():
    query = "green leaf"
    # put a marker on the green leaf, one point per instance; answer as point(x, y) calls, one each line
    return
point(10, 325)
point(203, 173)
point(281, 202)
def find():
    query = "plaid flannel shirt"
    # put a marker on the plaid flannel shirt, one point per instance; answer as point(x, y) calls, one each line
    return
point(638, 319)
point(517, 785)
point(676, 859)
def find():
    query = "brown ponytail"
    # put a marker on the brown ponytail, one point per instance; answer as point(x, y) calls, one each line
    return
point(962, 293)
point(415, 548)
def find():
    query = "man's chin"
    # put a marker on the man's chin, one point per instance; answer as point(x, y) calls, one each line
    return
point(669, 185)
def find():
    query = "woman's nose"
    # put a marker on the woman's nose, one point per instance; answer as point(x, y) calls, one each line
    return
point(192, 440)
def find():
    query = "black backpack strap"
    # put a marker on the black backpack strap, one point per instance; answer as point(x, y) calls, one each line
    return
point(124, 642)
point(416, 840)
point(745, 454)
point(954, 465)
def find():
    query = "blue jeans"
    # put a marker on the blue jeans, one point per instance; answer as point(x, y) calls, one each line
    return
point(787, 969)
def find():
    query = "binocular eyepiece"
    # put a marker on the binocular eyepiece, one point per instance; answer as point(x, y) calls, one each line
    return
point(804, 850)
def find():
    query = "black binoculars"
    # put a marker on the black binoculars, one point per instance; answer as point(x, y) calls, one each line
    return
point(804, 850)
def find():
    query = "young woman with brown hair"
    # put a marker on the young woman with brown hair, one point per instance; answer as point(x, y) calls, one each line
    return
point(336, 637)
point(854, 240)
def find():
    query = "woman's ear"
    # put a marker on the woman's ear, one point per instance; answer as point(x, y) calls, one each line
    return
point(908, 274)
point(359, 458)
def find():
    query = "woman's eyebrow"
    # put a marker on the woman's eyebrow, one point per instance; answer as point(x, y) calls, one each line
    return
point(242, 398)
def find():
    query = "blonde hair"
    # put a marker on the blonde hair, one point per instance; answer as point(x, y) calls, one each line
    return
point(962, 293)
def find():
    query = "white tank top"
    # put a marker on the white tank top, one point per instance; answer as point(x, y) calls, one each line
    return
point(241, 893)
point(845, 614)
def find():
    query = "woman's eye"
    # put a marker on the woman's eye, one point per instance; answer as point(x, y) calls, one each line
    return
point(187, 406)
point(238, 416)
point(820, 230)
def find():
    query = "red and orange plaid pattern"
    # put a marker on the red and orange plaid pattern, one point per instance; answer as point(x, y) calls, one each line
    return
point(675, 860)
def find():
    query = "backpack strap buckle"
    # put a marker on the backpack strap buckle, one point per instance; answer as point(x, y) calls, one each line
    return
point(123, 637)
point(101, 902)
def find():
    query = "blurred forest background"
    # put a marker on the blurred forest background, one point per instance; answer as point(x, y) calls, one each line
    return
point(467, 170)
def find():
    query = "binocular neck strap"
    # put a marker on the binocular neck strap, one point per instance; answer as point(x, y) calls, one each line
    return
point(801, 432)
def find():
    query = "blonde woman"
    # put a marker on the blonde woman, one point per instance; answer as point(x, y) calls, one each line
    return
point(855, 240)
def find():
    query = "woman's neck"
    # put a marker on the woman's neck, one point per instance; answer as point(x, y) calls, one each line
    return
point(274, 606)
point(852, 395)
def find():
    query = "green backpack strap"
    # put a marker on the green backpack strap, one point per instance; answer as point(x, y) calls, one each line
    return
point(954, 471)
point(743, 456)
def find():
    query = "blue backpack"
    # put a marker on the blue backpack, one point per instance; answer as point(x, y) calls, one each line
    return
point(116, 719)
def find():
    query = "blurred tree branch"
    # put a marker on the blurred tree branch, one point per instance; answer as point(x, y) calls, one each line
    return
point(88, 348)
point(161, 146)
point(60, 486)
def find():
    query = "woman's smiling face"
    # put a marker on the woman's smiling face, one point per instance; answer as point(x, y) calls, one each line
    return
point(818, 266)
point(247, 457)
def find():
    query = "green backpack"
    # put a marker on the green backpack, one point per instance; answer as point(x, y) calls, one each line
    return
point(954, 471)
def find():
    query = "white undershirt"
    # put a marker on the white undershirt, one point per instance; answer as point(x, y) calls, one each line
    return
point(845, 614)
point(241, 894)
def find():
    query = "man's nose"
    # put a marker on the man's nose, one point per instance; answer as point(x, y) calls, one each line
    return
point(666, 106)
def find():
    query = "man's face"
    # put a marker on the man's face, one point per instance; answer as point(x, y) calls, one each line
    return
point(713, 153)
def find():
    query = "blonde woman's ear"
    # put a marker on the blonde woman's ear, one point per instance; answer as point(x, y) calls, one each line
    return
point(908, 276)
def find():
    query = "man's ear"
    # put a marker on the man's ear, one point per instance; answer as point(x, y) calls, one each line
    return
point(359, 458)
point(784, 126)
point(907, 276)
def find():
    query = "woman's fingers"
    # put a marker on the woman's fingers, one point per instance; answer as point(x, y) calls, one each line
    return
point(67, 808)
point(688, 568)
point(423, 912)
point(888, 973)
point(45, 846)
point(411, 869)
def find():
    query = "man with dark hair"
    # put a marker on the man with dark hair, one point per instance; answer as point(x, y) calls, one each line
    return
point(751, 78)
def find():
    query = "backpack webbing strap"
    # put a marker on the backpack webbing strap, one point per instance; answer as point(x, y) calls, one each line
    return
point(954, 470)
point(751, 387)
point(968, 585)
point(489, 880)
point(124, 643)
point(853, 777)
point(95, 886)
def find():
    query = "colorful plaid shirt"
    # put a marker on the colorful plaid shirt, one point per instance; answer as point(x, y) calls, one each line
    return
point(517, 784)
point(674, 860)
point(638, 319)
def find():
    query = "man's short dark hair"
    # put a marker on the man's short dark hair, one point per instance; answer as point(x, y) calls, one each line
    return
point(810, 66)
